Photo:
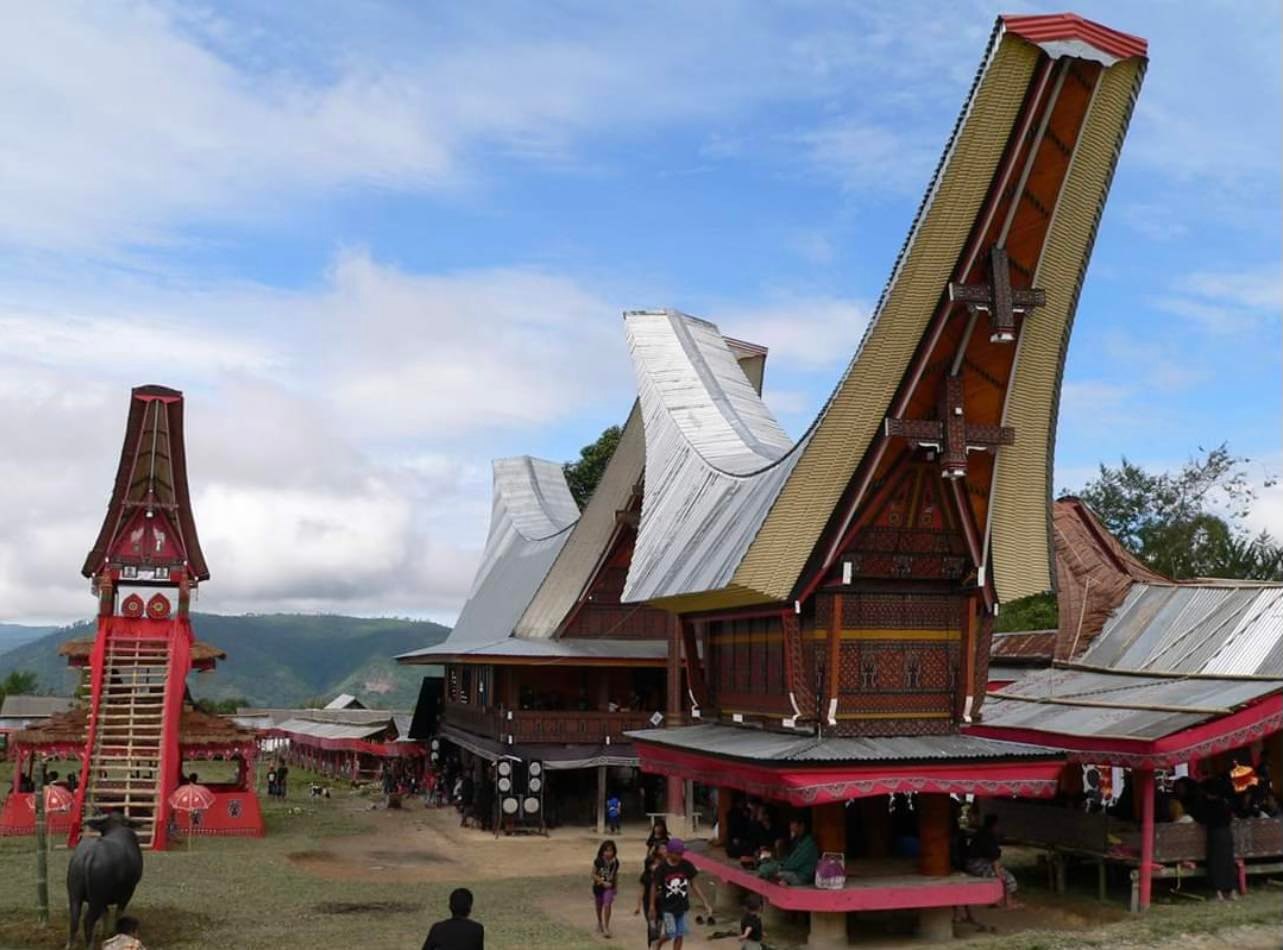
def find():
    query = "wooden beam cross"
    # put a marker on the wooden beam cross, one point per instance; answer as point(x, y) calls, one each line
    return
point(951, 435)
point(998, 298)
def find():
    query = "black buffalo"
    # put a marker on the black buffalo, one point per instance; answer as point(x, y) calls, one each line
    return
point(103, 871)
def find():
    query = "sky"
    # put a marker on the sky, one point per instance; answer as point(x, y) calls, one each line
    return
point(379, 244)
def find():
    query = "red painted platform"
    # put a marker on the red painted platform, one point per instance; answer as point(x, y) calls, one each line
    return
point(881, 892)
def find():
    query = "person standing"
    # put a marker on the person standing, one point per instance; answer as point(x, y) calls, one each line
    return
point(646, 899)
point(460, 932)
point(605, 884)
point(674, 883)
point(1217, 815)
point(614, 811)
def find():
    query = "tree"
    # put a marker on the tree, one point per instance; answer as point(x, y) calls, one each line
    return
point(1187, 523)
point(582, 476)
point(19, 683)
point(1036, 612)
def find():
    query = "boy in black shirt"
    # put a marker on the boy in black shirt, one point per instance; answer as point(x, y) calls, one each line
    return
point(674, 881)
point(751, 924)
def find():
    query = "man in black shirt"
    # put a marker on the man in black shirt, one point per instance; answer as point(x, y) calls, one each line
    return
point(457, 933)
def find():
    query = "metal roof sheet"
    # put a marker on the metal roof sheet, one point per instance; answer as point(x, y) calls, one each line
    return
point(331, 730)
point(1194, 628)
point(742, 742)
point(530, 519)
point(591, 537)
point(715, 457)
point(588, 648)
point(17, 706)
point(1118, 705)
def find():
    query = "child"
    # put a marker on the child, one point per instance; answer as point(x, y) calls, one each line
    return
point(646, 899)
point(614, 809)
point(751, 924)
point(605, 882)
point(126, 936)
point(658, 835)
point(674, 882)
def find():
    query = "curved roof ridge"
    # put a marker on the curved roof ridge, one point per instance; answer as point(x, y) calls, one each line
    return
point(687, 372)
point(534, 495)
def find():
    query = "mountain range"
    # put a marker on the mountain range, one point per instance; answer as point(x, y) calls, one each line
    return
point(276, 660)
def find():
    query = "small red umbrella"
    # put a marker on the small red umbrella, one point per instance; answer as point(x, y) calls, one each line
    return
point(57, 799)
point(192, 798)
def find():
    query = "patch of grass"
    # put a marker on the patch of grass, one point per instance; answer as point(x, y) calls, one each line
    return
point(247, 893)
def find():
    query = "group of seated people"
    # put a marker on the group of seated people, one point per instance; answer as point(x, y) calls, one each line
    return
point(784, 852)
point(71, 782)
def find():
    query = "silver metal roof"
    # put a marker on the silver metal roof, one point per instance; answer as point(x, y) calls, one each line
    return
point(591, 538)
point(330, 730)
point(530, 519)
point(742, 742)
point(1195, 628)
point(1118, 705)
point(590, 648)
point(715, 456)
point(18, 706)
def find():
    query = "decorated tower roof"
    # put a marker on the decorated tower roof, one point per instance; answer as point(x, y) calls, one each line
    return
point(149, 520)
point(964, 353)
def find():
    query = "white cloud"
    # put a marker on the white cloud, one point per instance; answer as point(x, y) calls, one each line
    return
point(860, 153)
point(802, 333)
point(1227, 302)
point(337, 451)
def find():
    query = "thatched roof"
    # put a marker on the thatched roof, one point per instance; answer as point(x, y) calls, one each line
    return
point(197, 728)
point(1094, 572)
point(78, 651)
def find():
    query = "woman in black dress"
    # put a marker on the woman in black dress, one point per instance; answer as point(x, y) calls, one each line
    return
point(1217, 816)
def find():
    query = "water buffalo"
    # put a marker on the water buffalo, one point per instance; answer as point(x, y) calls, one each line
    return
point(103, 871)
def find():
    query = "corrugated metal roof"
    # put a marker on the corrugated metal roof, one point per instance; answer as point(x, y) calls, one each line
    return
point(342, 701)
point(1194, 628)
point(331, 730)
point(1024, 645)
point(715, 457)
point(530, 519)
point(747, 743)
point(1118, 705)
point(17, 706)
point(585, 648)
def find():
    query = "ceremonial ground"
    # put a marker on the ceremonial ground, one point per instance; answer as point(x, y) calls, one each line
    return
point(342, 875)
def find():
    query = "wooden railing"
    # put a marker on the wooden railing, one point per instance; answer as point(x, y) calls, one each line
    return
point(474, 719)
point(1069, 829)
point(540, 725)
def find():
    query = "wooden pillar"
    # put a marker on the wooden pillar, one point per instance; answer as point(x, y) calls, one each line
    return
point(1145, 792)
point(934, 832)
point(875, 823)
point(933, 835)
point(673, 803)
point(828, 825)
point(725, 799)
point(601, 799)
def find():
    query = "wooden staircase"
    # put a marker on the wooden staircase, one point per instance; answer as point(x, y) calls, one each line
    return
point(124, 771)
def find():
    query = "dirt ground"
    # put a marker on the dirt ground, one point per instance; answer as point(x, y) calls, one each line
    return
point(427, 845)
point(339, 873)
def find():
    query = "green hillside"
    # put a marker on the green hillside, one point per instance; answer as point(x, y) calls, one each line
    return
point(275, 659)
point(14, 635)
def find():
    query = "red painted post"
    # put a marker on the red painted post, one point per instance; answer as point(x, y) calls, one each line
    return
point(673, 800)
point(1145, 788)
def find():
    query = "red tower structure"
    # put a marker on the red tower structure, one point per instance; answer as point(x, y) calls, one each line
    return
point(143, 568)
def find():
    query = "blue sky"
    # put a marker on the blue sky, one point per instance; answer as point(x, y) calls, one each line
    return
point(380, 244)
